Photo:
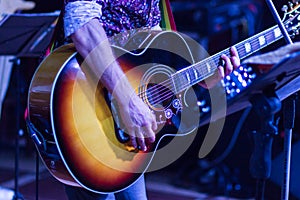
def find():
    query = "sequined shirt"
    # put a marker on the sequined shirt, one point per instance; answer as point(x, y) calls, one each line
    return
point(115, 15)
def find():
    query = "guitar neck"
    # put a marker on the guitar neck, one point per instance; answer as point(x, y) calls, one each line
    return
point(197, 72)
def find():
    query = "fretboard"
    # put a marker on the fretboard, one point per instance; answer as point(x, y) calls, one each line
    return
point(197, 72)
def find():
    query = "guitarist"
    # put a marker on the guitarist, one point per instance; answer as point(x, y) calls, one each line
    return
point(90, 24)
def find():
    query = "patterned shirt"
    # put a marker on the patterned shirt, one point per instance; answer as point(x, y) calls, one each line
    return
point(115, 15)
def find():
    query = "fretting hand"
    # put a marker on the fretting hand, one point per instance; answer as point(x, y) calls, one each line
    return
point(231, 63)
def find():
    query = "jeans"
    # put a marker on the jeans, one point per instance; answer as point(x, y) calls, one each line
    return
point(137, 191)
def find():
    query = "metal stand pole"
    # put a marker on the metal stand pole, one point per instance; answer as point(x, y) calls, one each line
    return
point(288, 123)
point(17, 195)
point(279, 22)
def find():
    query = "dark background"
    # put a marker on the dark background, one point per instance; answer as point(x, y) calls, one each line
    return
point(216, 25)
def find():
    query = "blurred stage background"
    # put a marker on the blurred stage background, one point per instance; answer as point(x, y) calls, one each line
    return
point(214, 24)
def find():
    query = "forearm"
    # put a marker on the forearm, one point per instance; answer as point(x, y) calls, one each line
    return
point(92, 44)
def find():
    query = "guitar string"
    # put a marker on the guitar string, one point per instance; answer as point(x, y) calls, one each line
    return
point(162, 96)
point(167, 94)
point(177, 80)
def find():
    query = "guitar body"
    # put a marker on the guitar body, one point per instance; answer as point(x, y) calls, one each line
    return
point(77, 121)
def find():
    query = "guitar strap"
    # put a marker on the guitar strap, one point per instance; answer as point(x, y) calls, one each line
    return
point(167, 18)
point(58, 35)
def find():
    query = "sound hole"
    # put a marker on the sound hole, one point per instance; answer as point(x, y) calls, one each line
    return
point(159, 92)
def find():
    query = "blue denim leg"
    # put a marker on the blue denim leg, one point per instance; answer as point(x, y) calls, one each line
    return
point(77, 193)
point(137, 191)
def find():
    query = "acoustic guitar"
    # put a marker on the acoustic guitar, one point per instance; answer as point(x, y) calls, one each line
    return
point(74, 121)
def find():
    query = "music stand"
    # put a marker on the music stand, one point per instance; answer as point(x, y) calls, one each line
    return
point(24, 35)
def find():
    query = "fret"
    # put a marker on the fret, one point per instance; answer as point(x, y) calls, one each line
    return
point(181, 80)
point(193, 74)
point(213, 63)
point(266, 39)
point(208, 67)
point(187, 75)
point(270, 37)
point(186, 78)
point(254, 46)
point(174, 83)
point(196, 74)
point(241, 50)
